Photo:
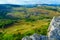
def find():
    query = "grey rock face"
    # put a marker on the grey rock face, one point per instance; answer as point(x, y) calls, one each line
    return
point(42, 37)
point(53, 32)
point(54, 29)
point(35, 37)
point(32, 37)
point(26, 38)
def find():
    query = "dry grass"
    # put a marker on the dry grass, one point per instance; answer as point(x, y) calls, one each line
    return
point(23, 27)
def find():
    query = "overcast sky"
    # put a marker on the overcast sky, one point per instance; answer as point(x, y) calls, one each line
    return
point(29, 1)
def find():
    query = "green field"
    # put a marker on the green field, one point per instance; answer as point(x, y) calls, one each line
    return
point(23, 21)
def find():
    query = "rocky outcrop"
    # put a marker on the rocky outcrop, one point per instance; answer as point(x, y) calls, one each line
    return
point(54, 29)
point(35, 37)
point(53, 32)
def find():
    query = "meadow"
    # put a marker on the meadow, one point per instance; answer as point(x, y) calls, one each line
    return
point(23, 21)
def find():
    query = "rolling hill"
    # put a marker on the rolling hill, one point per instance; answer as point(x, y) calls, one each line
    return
point(17, 21)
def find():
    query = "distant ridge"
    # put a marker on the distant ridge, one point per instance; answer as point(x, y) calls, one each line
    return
point(28, 5)
point(50, 4)
point(10, 5)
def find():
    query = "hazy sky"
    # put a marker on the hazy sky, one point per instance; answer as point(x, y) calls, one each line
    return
point(29, 1)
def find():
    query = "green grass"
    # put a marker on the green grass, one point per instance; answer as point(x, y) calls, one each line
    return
point(28, 22)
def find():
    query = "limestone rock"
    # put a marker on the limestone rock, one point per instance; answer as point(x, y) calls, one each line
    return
point(54, 29)
point(35, 37)
point(42, 37)
point(26, 38)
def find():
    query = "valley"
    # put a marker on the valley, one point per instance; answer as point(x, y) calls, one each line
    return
point(17, 21)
